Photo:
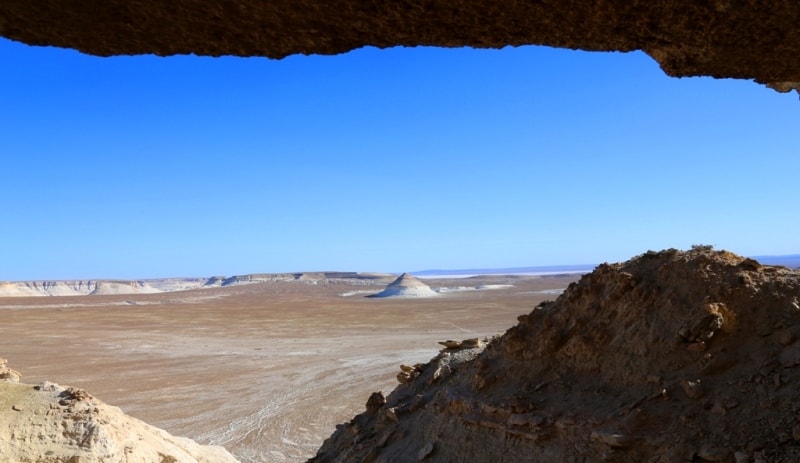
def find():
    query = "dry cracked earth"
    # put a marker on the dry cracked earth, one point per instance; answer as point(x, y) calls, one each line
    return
point(267, 370)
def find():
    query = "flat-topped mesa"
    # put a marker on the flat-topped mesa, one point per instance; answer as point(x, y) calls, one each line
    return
point(164, 285)
point(407, 286)
point(74, 288)
point(670, 356)
point(49, 423)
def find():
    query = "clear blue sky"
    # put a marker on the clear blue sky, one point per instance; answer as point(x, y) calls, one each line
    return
point(381, 160)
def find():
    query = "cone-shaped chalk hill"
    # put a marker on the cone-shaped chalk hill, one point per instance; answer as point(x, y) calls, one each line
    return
point(407, 286)
point(670, 357)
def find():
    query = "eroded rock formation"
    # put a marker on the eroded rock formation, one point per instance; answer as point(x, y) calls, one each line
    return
point(722, 38)
point(406, 286)
point(669, 357)
point(49, 423)
point(163, 285)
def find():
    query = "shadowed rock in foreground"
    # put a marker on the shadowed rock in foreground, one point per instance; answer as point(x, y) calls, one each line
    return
point(749, 40)
point(49, 423)
point(669, 357)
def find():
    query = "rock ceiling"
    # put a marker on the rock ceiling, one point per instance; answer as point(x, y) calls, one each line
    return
point(746, 39)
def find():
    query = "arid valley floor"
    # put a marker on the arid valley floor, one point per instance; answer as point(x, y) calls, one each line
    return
point(265, 369)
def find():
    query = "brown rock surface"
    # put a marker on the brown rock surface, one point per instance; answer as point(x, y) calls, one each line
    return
point(751, 40)
point(604, 374)
point(49, 423)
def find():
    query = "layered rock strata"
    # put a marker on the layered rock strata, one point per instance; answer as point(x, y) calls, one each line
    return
point(670, 357)
point(49, 423)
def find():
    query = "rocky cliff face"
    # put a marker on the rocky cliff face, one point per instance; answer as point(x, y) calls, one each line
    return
point(669, 357)
point(49, 423)
point(165, 285)
point(73, 288)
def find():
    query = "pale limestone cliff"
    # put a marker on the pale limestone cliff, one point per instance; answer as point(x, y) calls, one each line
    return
point(49, 423)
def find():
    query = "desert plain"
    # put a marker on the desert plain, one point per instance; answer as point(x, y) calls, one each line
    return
point(265, 369)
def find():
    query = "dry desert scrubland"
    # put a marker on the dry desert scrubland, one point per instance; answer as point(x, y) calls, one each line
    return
point(266, 370)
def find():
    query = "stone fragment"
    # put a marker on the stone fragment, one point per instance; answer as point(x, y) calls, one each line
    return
point(790, 355)
point(7, 374)
point(391, 413)
point(384, 439)
point(408, 373)
point(786, 337)
point(611, 439)
point(696, 346)
point(450, 344)
point(680, 453)
point(48, 386)
point(424, 452)
point(712, 452)
point(470, 343)
point(375, 402)
point(693, 389)
point(702, 330)
point(525, 419)
point(442, 371)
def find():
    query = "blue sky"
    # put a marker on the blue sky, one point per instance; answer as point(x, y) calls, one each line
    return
point(381, 160)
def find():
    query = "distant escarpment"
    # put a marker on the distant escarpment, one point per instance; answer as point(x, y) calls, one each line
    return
point(49, 423)
point(74, 288)
point(164, 285)
point(669, 357)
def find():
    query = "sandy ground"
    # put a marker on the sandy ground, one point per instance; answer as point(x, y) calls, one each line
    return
point(267, 370)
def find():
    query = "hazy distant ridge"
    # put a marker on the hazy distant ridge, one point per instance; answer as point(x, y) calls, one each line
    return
point(164, 285)
point(789, 260)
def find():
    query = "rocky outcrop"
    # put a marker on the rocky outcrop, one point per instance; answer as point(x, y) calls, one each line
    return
point(49, 423)
point(406, 286)
point(7, 374)
point(670, 357)
point(118, 287)
point(746, 40)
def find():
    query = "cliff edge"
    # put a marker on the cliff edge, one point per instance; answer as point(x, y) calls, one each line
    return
point(49, 423)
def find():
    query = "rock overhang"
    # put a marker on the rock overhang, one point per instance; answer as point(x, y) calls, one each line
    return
point(722, 38)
